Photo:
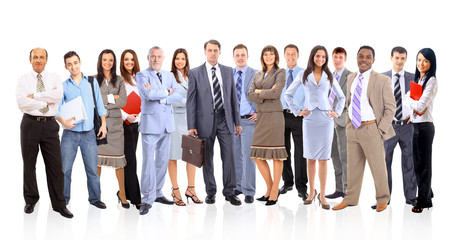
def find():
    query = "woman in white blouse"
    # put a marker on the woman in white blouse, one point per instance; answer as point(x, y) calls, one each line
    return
point(423, 132)
point(129, 66)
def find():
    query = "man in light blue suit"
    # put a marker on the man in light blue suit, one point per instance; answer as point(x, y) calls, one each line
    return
point(245, 166)
point(158, 90)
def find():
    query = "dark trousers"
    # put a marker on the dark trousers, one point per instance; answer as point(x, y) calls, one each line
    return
point(423, 136)
point(131, 135)
point(44, 135)
point(293, 126)
point(404, 136)
point(225, 139)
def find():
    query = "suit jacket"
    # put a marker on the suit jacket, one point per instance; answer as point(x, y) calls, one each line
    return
point(408, 78)
point(342, 119)
point(200, 104)
point(156, 109)
point(113, 110)
point(250, 73)
point(269, 99)
point(381, 99)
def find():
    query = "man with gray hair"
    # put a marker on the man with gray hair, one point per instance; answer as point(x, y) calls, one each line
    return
point(158, 90)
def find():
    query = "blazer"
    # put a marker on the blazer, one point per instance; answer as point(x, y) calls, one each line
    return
point(381, 99)
point(113, 110)
point(250, 73)
point(156, 109)
point(200, 105)
point(315, 95)
point(342, 119)
point(269, 99)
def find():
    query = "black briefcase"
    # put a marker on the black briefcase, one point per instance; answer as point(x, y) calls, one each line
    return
point(194, 150)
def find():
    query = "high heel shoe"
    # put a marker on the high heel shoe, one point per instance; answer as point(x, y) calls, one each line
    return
point(177, 200)
point(272, 202)
point(124, 205)
point(194, 198)
point(307, 202)
point(263, 199)
point(324, 206)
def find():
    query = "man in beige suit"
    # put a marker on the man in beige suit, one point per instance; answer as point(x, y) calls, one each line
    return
point(371, 107)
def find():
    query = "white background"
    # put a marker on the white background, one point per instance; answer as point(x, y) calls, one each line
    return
point(88, 27)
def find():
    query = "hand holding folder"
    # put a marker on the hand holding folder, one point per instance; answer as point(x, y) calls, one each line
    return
point(133, 105)
point(416, 91)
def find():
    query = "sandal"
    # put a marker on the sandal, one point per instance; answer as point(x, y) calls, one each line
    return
point(417, 210)
point(194, 198)
point(176, 200)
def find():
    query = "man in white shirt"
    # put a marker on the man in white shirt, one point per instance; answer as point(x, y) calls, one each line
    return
point(38, 94)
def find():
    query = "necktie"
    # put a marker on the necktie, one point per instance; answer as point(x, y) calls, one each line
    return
point(333, 94)
point(398, 96)
point(290, 78)
point(159, 77)
point(217, 91)
point(356, 104)
point(239, 86)
point(40, 88)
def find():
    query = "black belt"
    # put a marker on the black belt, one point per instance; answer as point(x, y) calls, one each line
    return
point(400, 122)
point(38, 118)
point(246, 116)
point(287, 111)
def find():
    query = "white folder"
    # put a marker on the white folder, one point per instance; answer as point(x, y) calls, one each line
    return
point(74, 108)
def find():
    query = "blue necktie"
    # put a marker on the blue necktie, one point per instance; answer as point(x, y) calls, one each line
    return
point(290, 78)
point(159, 77)
point(239, 87)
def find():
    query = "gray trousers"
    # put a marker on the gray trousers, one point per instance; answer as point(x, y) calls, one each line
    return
point(404, 136)
point(339, 157)
point(245, 166)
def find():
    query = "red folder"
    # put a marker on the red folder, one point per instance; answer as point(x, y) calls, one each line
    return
point(133, 105)
point(416, 91)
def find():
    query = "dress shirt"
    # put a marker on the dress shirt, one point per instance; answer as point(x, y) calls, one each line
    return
point(245, 108)
point(26, 85)
point(299, 94)
point(129, 88)
point(218, 73)
point(367, 113)
point(426, 102)
point(339, 73)
point(72, 90)
point(405, 108)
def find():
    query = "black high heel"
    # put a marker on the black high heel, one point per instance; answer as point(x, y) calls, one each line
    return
point(272, 202)
point(194, 198)
point(263, 199)
point(176, 200)
point(124, 205)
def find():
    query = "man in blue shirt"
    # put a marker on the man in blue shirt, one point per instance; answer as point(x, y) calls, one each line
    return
point(293, 126)
point(81, 134)
point(245, 166)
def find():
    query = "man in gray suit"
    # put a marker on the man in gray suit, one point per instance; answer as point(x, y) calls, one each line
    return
point(339, 145)
point(213, 111)
point(158, 90)
point(402, 126)
point(245, 166)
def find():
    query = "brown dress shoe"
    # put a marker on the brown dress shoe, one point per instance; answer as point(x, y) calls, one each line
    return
point(381, 206)
point(340, 206)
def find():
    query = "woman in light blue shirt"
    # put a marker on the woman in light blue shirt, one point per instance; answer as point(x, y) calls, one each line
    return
point(318, 125)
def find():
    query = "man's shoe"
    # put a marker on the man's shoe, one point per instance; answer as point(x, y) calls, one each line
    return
point(303, 195)
point(375, 206)
point(144, 209)
point(381, 206)
point(210, 199)
point(29, 208)
point(335, 195)
point(237, 192)
point(164, 200)
point(411, 202)
point(233, 200)
point(64, 212)
point(340, 206)
point(99, 204)
point(248, 199)
point(284, 189)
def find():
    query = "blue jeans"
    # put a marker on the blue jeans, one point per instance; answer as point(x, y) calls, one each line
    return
point(69, 145)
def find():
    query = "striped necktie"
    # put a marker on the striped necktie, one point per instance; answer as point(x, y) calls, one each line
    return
point(398, 96)
point(239, 87)
point(40, 88)
point(333, 94)
point(159, 77)
point(356, 103)
point(217, 91)
point(290, 78)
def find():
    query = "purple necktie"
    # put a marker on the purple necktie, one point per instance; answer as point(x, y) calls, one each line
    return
point(290, 78)
point(356, 103)
point(333, 94)
point(239, 86)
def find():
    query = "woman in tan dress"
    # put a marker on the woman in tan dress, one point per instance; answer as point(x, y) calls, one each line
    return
point(268, 137)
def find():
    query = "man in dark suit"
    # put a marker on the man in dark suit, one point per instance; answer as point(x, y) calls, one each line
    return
point(400, 80)
point(213, 111)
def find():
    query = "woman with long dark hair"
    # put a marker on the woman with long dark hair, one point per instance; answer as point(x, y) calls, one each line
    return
point(317, 125)
point(423, 126)
point(114, 96)
point(129, 66)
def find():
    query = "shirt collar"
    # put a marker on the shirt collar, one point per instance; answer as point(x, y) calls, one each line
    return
point(293, 69)
point(244, 70)
point(209, 66)
point(400, 73)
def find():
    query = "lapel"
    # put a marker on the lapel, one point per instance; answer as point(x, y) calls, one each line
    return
point(349, 83)
point(407, 77)
point(154, 78)
point(247, 80)
point(372, 79)
point(343, 78)
point(267, 79)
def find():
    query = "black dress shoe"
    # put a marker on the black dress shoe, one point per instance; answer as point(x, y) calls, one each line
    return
point(237, 192)
point(144, 209)
point(411, 202)
point(233, 200)
point(248, 199)
point(375, 205)
point(64, 212)
point(29, 208)
point(303, 195)
point(263, 199)
point(164, 200)
point(99, 204)
point(284, 189)
point(210, 199)
point(335, 195)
